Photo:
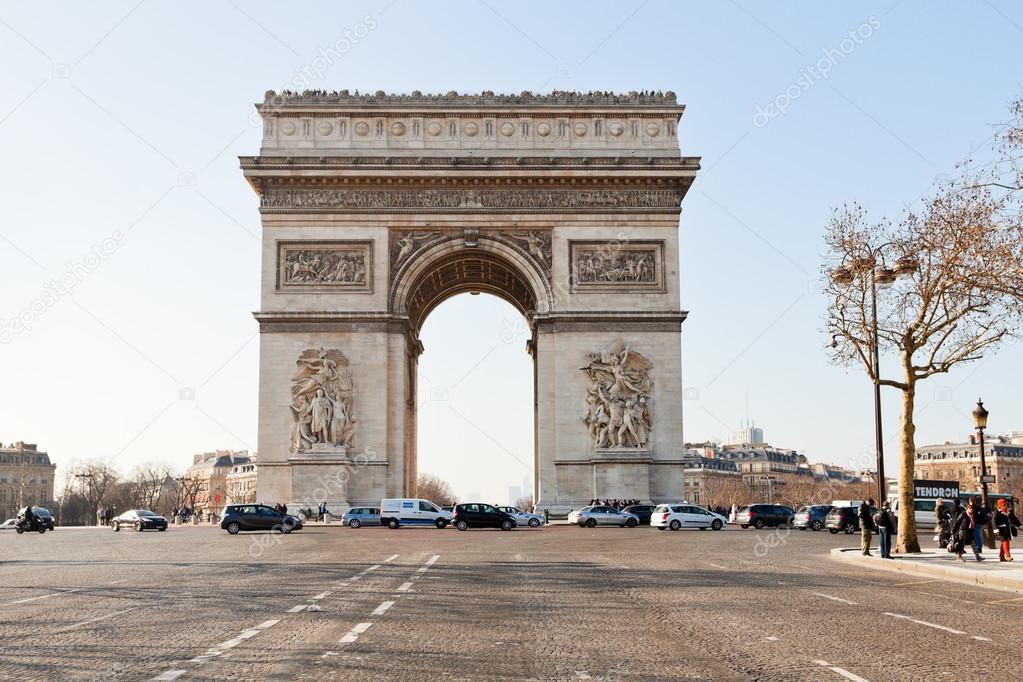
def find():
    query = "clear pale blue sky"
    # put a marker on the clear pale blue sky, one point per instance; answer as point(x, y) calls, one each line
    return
point(126, 118)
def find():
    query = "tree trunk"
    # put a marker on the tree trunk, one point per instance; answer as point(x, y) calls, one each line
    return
point(907, 542)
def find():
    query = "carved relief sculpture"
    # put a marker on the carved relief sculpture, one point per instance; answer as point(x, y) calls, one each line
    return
point(406, 244)
point(538, 244)
point(321, 403)
point(618, 398)
point(616, 265)
point(324, 265)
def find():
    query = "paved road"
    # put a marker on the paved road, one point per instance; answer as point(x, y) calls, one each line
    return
point(557, 603)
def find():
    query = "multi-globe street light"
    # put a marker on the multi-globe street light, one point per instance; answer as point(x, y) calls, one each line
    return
point(869, 267)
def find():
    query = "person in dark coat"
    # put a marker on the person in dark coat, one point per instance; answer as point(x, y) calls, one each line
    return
point(866, 526)
point(885, 529)
point(942, 523)
point(1007, 526)
point(963, 530)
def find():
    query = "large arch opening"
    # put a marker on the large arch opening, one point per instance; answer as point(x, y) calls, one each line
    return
point(472, 409)
point(475, 397)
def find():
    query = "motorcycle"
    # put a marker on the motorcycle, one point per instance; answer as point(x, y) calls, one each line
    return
point(23, 525)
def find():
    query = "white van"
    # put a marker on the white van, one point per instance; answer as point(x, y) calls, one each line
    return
point(923, 511)
point(407, 511)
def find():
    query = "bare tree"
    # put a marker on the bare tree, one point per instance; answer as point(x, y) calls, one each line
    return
point(95, 479)
point(962, 294)
point(435, 489)
point(188, 491)
point(525, 503)
point(725, 491)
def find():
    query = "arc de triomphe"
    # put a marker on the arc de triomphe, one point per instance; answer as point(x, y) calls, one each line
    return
point(376, 208)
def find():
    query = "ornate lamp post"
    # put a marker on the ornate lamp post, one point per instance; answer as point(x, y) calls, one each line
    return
point(980, 421)
point(871, 269)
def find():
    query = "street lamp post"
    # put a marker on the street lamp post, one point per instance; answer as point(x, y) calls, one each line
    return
point(980, 414)
point(877, 275)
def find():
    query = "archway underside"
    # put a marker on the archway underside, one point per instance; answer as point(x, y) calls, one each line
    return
point(470, 270)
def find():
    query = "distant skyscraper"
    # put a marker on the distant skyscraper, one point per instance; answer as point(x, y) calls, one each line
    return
point(514, 493)
point(749, 434)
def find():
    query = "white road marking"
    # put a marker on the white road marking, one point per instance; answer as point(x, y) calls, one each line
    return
point(1005, 601)
point(354, 633)
point(296, 609)
point(391, 558)
point(405, 587)
point(771, 639)
point(982, 639)
point(842, 671)
point(168, 676)
point(321, 595)
point(382, 609)
point(723, 568)
point(42, 596)
point(94, 620)
point(828, 596)
point(924, 622)
point(582, 674)
point(433, 559)
point(371, 568)
point(117, 581)
point(267, 624)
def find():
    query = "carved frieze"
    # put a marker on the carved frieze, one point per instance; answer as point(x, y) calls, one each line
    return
point(618, 398)
point(628, 265)
point(537, 243)
point(424, 200)
point(534, 244)
point(407, 242)
point(325, 265)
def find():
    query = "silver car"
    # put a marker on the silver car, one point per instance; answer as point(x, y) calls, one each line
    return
point(599, 515)
point(356, 517)
point(524, 518)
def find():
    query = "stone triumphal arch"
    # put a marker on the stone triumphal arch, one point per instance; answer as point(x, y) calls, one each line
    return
point(376, 208)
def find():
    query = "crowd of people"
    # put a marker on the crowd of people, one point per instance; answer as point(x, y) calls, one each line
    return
point(957, 527)
point(616, 503)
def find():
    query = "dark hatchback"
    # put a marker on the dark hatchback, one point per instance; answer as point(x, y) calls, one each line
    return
point(474, 515)
point(239, 517)
point(765, 515)
point(643, 511)
point(845, 519)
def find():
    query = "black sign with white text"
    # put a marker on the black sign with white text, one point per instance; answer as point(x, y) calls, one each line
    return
point(932, 490)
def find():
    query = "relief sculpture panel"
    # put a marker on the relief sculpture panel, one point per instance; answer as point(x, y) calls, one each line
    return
point(617, 266)
point(325, 266)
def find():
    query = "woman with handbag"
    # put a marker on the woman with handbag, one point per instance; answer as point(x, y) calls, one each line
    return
point(1006, 524)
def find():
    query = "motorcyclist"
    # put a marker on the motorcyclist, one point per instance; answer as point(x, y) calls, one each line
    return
point(28, 518)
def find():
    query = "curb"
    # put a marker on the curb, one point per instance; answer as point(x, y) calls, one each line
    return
point(986, 579)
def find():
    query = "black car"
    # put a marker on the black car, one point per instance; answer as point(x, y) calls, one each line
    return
point(139, 519)
point(475, 515)
point(239, 517)
point(765, 515)
point(643, 511)
point(845, 519)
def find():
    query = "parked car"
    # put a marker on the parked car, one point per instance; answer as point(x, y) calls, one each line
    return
point(845, 519)
point(476, 515)
point(239, 517)
point(9, 524)
point(524, 518)
point(678, 516)
point(765, 515)
point(356, 517)
point(643, 511)
point(599, 515)
point(404, 511)
point(140, 520)
point(811, 516)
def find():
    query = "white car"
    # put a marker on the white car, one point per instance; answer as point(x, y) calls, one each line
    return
point(9, 524)
point(678, 516)
point(524, 518)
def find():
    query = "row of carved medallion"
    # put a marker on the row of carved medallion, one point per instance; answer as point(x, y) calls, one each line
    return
point(433, 199)
point(606, 265)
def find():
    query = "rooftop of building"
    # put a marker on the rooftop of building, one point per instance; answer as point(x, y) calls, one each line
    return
point(483, 99)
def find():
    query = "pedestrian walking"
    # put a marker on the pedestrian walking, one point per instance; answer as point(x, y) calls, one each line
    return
point(1007, 525)
point(942, 524)
point(885, 528)
point(979, 516)
point(866, 526)
point(963, 532)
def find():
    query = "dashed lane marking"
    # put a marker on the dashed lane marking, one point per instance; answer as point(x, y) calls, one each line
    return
point(354, 633)
point(391, 558)
point(917, 582)
point(839, 599)
point(771, 639)
point(168, 676)
point(93, 620)
point(371, 568)
point(981, 639)
point(582, 675)
point(382, 609)
point(723, 568)
point(299, 607)
point(1005, 601)
point(321, 595)
point(42, 596)
point(925, 623)
point(405, 587)
point(841, 671)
